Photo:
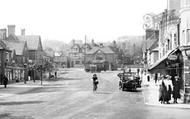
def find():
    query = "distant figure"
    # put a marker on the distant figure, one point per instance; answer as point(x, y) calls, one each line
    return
point(5, 81)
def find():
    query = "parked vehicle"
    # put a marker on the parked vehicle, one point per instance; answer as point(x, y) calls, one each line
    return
point(129, 81)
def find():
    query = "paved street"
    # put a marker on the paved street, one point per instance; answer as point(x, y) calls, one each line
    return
point(71, 97)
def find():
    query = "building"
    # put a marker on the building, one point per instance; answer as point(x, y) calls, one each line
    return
point(102, 56)
point(174, 45)
point(185, 46)
point(76, 55)
point(61, 61)
point(5, 59)
point(19, 58)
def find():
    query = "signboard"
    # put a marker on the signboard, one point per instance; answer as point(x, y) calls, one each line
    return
point(172, 57)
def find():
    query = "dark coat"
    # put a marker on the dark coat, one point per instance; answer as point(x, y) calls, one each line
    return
point(162, 92)
point(95, 80)
point(176, 89)
point(5, 80)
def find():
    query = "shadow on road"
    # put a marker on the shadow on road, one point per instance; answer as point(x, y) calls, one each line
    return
point(20, 103)
point(41, 90)
point(8, 116)
point(72, 78)
point(139, 90)
point(103, 92)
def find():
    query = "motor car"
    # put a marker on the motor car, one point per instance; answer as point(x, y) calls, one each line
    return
point(129, 81)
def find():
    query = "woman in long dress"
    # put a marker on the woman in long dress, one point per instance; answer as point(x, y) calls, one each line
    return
point(169, 88)
point(162, 90)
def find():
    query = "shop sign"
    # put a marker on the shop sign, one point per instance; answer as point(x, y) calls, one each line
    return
point(172, 57)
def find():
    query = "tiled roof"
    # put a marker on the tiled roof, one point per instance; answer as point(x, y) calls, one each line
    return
point(18, 46)
point(32, 41)
point(106, 50)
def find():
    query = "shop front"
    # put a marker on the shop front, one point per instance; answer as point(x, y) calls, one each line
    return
point(176, 63)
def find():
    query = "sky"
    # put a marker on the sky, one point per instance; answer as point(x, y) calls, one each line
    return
point(64, 20)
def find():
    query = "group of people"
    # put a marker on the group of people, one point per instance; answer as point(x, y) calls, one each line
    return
point(169, 88)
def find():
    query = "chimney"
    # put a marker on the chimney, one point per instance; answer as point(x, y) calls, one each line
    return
point(22, 32)
point(3, 34)
point(11, 30)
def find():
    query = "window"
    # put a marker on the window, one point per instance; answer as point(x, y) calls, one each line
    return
point(168, 45)
point(175, 40)
point(7, 57)
point(188, 35)
point(183, 36)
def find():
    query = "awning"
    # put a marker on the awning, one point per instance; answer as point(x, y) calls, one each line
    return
point(159, 66)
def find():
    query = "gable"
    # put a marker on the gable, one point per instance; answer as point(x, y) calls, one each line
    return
point(75, 46)
point(33, 41)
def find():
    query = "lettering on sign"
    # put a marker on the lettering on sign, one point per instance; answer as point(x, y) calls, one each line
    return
point(172, 57)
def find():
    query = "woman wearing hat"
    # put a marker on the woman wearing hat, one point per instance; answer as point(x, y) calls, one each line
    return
point(169, 87)
point(176, 89)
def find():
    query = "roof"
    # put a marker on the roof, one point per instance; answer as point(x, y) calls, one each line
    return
point(3, 45)
point(18, 46)
point(32, 41)
point(78, 45)
point(106, 50)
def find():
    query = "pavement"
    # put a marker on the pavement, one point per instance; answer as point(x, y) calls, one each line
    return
point(151, 94)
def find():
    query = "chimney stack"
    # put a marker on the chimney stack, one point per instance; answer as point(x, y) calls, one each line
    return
point(3, 34)
point(11, 30)
point(22, 32)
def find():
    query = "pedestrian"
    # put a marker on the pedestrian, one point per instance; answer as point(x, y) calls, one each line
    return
point(95, 82)
point(162, 90)
point(5, 81)
point(176, 89)
point(169, 87)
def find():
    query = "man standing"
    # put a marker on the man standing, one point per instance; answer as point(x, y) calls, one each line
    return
point(176, 89)
point(5, 81)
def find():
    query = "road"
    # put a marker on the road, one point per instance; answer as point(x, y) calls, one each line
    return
point(71, 97)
